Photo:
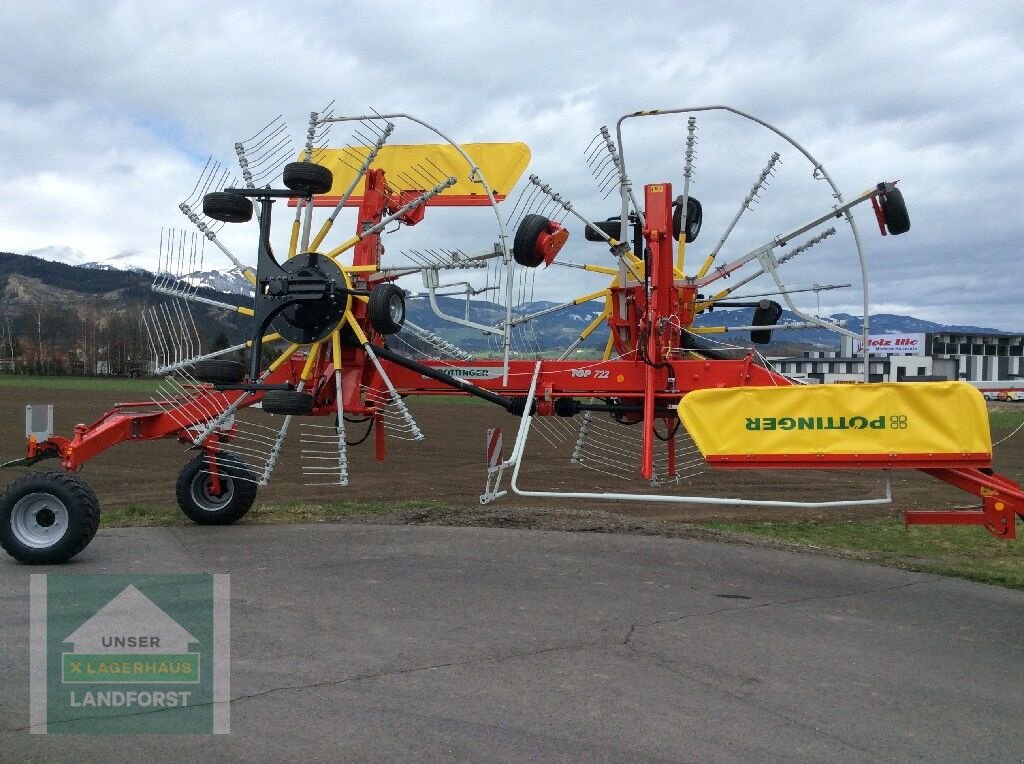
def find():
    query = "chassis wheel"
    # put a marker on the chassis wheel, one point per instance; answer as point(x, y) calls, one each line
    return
point(46, 518)
point(694, 218)
point(897, 219)
point(386, 309)
point(227, 207)
point(288, 402)
point(307, 178)
point(766, 314)
point(537, 241)
point(198, 501)
point(218, 371)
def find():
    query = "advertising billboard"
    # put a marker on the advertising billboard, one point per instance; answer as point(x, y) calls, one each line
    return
point(892, 344)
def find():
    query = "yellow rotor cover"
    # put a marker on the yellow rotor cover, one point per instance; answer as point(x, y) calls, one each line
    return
point(899, 424)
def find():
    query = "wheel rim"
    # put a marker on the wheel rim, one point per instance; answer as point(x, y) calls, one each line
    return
point(39, 520)
point(203, 495)
point(396, 308)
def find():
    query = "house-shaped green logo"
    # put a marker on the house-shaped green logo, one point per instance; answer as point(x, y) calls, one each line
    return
point(130, 641)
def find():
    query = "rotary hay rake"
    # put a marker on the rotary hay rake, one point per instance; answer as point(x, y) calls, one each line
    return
point(329, 337)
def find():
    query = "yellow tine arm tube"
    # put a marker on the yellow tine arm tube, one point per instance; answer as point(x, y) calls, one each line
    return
point(345, 247)
point(266, 338)
point(288, 353)
point(307, 369)
point(293, 242)
point(360, 334)
point(319, 238)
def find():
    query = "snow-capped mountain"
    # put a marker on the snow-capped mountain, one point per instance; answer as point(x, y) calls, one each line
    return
point(229, 282)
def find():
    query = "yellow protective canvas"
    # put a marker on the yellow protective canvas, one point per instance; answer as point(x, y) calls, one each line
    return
point(414, 166)
point(922, 423)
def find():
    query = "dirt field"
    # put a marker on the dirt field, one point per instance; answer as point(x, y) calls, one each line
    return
point(448, 467)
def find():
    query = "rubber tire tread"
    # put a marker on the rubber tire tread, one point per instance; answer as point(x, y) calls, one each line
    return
point(288, 402)
point(694, 215)
point(307, 177)
point(219, 371)
point(377, 309)
point(241, 502)
point(227, 207)
point(765, 317)
point(897, 218)
point(83, 516)
point(524, 245)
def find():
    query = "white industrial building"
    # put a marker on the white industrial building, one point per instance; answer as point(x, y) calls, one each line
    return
point(988, 361)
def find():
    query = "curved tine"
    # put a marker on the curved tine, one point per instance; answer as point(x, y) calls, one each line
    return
point(328, 110)
point(283, 144)
point(277, 134)
point(176, 335)
point(527, 204)
point(611, 174)
point(279, 117)
point(427, 174)
point(159, 333)
point(371, 125)
point(211, 176)
point(157, 277)
point(518, 201)
point(183, 333)
point(364, 140)
point(199, 179)
point(273, 169)
point(354, 153)
point(591, 150)
point(420, 258)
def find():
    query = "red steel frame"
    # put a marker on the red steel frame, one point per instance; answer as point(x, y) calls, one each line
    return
point(646, 324)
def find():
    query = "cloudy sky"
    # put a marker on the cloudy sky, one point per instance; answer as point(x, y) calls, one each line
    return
point(108, 112)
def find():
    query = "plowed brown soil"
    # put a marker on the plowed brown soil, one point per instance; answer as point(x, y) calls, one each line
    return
point(448, 467)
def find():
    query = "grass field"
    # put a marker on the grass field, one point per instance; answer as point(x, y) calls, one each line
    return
point(964, 551)
point(81, 383)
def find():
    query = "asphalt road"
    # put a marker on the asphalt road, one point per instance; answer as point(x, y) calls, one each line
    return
point(356, 642)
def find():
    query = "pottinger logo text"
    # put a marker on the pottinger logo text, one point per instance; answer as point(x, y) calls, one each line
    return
point(879, 422)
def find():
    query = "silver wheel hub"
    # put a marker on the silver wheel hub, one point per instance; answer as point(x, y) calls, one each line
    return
point(203, 495)
point(39, 520)
point(396, 308)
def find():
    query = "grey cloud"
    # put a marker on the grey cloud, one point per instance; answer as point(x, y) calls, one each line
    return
point(107, 112)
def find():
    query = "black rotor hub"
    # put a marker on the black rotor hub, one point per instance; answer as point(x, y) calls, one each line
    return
point(313, 292)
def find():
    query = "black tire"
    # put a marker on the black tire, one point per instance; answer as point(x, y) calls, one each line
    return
point(289, 402)
point(46, 518)
point(218, 371)
point(308, 178)
point(766, 314)
point(238, 490)
point(386, 308)
point(897, 218)
point(524, 245)
point(227, 207)
point(694, 218)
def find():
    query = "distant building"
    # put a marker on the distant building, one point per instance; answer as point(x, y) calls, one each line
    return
point(988, 361)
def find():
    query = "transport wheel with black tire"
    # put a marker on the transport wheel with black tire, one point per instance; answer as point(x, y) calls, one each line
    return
point(218, 371)
point(524, 245)
point(288, 402)
point(46, 518)
point(897, 218)
point(198, 500)
point(227, 207)
point(386, 308)
point(767, 313)
point(307, 178)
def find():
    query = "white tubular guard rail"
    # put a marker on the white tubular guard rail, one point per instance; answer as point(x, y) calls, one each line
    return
point(515, 461)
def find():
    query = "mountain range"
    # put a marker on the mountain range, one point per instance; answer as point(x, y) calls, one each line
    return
point(32, 288)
